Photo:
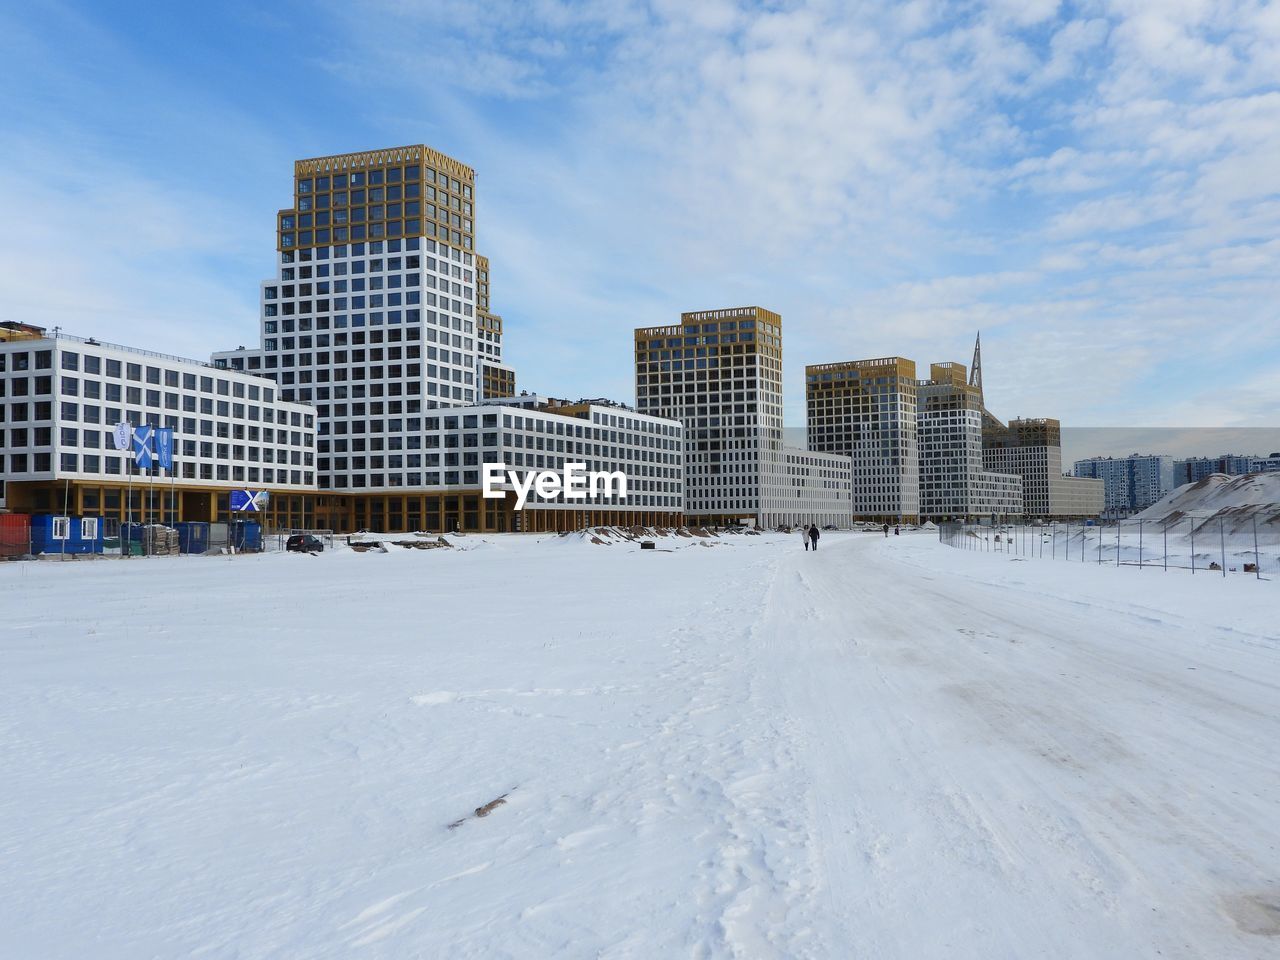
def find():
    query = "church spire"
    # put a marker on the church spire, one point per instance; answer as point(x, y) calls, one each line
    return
point(975, 370)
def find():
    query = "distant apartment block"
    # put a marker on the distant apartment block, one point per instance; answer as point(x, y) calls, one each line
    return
point(1132, 483)
point(719, 372)
point(1032, 449)
point(1195, 469)
point(867, 410)
point(1266, 464)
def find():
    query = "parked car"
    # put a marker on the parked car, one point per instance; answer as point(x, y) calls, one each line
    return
point(304, 543)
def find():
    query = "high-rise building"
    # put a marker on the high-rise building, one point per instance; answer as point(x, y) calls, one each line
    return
point(953, 483)
point(379, 316)
point(1032, 450)
point(495, 378)
point(1132, 483)
point(719, 372)
point(866, 410)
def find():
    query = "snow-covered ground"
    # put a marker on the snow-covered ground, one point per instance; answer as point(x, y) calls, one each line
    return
point(888, 749)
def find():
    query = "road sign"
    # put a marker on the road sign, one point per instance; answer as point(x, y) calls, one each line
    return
point(247, 501)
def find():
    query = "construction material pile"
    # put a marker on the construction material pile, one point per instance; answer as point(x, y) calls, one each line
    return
point(159, 540)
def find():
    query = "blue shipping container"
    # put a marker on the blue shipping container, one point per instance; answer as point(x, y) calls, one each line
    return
point(193, 537)
point(73, 535)
point(246, 535)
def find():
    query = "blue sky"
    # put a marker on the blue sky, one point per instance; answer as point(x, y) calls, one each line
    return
point(1094, 185)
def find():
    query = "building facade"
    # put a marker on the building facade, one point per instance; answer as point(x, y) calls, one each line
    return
point(1195, 469)
point(372, 313)
point(953, 482)
point(1132, 483)
point(494, 378)
point(1266, 464)
point(816, 488)
point(61, 397)
point(443, 488)
point(719, 372)
point(867, 410)
point(1032, 449)
point(379, 316)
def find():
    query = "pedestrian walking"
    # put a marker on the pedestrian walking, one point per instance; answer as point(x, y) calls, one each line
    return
point(886, 530)
point(804, 535)
point(897, 530)
point(813, 535)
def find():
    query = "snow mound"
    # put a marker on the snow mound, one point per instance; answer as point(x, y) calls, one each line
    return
point(675, 536)
point(1237, 499)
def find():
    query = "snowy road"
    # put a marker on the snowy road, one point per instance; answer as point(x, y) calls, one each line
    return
point(887, 749)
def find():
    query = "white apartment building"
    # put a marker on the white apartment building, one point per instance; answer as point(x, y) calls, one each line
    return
point(811, 487)
point(533, 433)
point(61, 397)
point(953, 483)
point(719, 372)
point(372, 314)
point(867, 410)
point(1032, 450)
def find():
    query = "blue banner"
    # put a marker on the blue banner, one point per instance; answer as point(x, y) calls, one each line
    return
point(164, 447)
point(245, 500)
point(142, 453)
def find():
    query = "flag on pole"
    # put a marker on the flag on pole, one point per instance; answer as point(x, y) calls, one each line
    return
point(164, 447)
point(122, 435)
point(142, 451)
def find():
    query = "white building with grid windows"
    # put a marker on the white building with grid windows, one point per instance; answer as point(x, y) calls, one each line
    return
point(372, 314)
point(533, 433)
point(1032, 450)
point(61, 397)
point(867, 410)
point(719, 372)
point(810, 487)
point(953, 482)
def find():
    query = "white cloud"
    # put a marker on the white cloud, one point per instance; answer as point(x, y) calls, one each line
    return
point(1091, 183)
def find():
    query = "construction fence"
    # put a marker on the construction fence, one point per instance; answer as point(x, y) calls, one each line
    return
point(1215, 545)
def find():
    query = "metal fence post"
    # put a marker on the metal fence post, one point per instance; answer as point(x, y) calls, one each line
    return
point(1222, 539)
point(1257, 562)
point(1139, 544)
point(1118, 523)
point(1192, 521)
point(1164, 532)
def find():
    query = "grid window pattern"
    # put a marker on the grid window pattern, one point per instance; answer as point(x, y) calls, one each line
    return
point(866, 410)
point(229, 428)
